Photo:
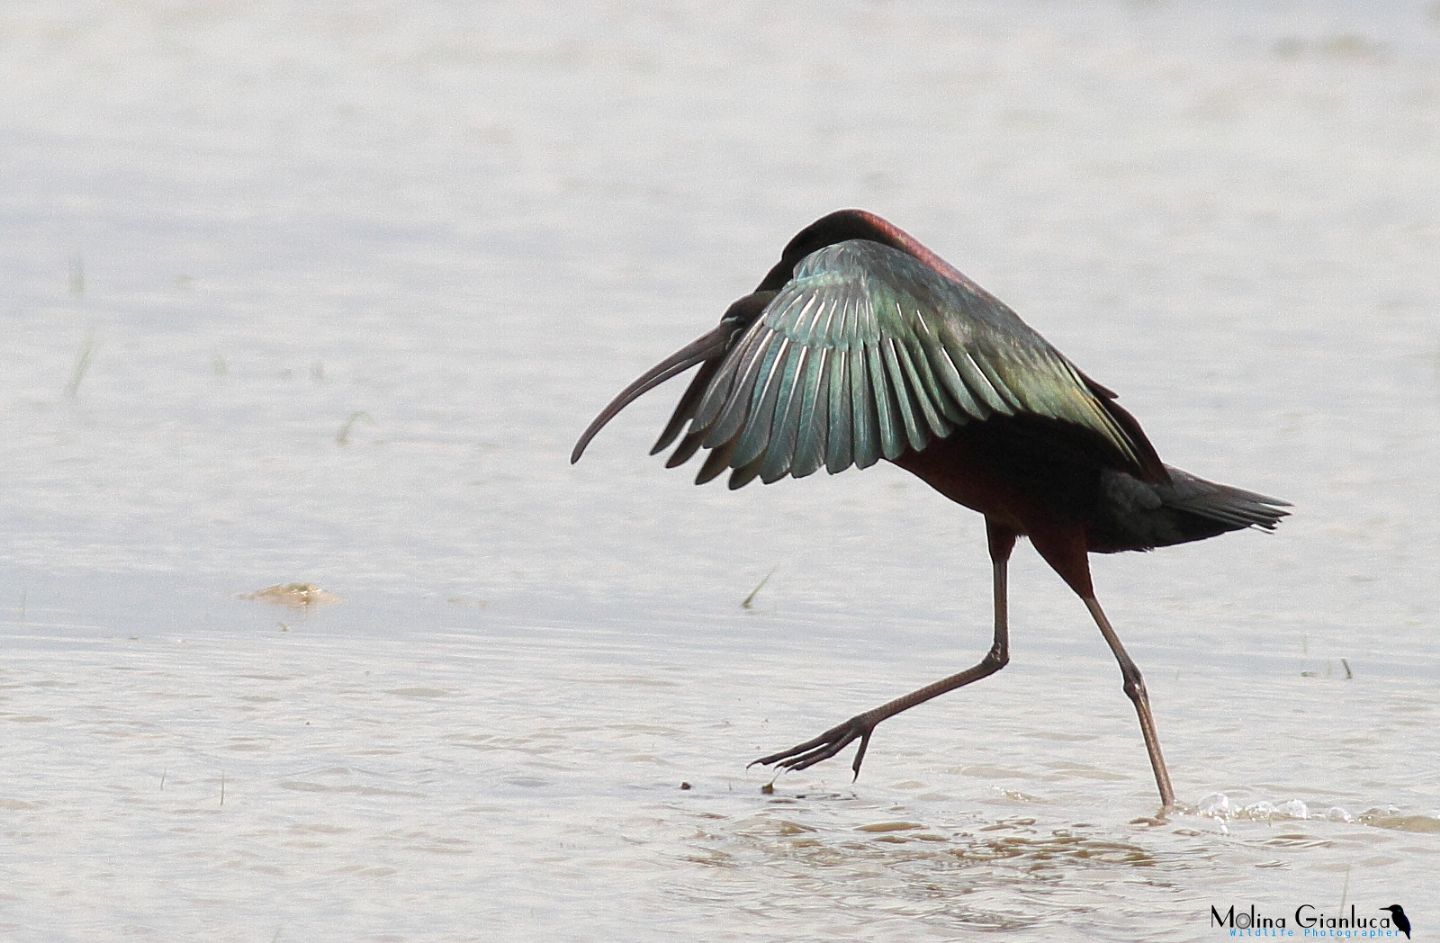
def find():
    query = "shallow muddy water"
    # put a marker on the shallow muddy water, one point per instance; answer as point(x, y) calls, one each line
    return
point(295, 296)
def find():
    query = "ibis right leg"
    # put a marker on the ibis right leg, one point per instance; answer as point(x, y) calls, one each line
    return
point(1066, 552)
point(861, 726)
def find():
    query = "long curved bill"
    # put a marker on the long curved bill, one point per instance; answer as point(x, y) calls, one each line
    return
point(705, 348)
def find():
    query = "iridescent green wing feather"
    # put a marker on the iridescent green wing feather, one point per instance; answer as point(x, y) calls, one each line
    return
point(867, 352)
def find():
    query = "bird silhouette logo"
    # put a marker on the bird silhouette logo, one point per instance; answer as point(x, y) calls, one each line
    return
point(1397, 917)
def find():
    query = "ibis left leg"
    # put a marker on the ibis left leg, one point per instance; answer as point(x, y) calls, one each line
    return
point(832, 741)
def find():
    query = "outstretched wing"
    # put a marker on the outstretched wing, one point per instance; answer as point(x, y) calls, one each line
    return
point(867, 352)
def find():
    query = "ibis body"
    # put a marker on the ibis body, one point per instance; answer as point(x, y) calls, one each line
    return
point(861, 344)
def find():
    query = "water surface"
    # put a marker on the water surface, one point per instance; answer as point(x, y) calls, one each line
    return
point(325, 296)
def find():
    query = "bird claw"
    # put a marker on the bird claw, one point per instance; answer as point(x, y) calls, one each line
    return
point(823, 747)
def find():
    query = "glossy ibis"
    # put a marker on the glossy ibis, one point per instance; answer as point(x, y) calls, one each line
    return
point(862, 344)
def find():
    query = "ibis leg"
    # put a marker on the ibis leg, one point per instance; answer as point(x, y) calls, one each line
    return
point(861, 726)
point(1135, 690)
point(1065, 550)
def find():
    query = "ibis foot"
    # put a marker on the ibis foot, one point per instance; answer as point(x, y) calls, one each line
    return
point(823, 747)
